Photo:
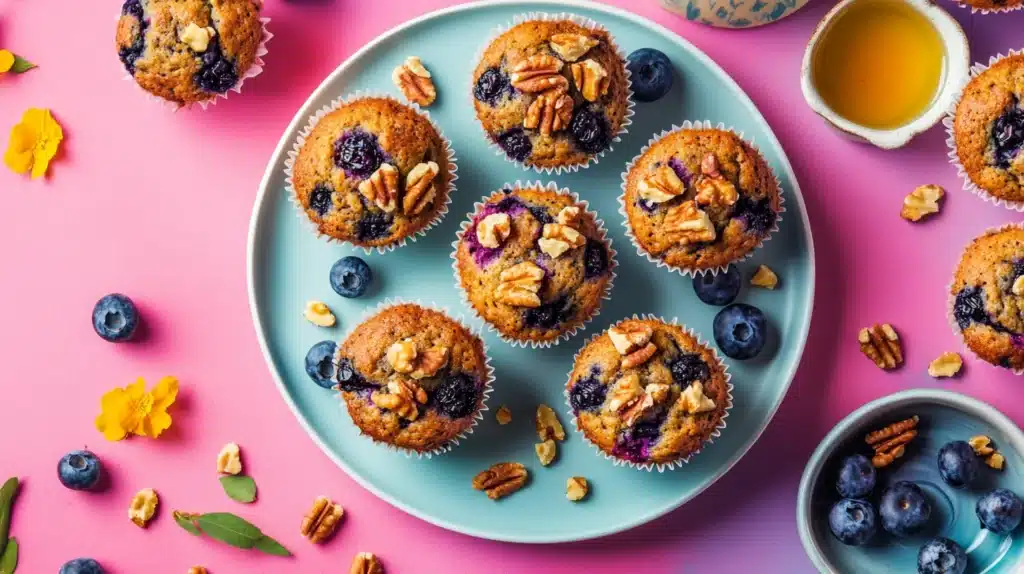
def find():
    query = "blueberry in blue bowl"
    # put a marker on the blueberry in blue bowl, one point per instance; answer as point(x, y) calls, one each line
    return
point(999, 511)
point(82, 566)
point(941, 556)
point(650, 73)
point(720, 289)
point(958, 465)
point(320, 363)
point(852, 521)
point(351, 276)
point(740, 331)
point(115, 318)
point(856, 477)
point(904, 509)
point(79, 470)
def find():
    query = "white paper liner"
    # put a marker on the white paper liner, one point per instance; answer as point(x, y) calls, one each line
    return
point(649, 466)
point(954, 155)
point(487, 384)
point(951, 298)
point(553, 187)
point(586, 23)
point(293, 153)
point(686, 272)
point(254, 70)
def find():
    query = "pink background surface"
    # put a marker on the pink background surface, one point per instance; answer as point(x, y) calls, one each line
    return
point(156, 205)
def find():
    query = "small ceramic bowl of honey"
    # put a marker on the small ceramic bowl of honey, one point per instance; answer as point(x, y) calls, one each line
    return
point(883, 71)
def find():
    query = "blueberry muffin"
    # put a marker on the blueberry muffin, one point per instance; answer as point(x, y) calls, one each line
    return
point(700, 199)
point(551, 93)
point(412, 377)
point(534, 264)
point(189, 51)
point(372, 172)
point(988, 130)
point(647, 392)
point(987, 297)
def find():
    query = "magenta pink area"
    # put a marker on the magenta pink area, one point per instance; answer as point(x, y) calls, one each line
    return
point(157, 205)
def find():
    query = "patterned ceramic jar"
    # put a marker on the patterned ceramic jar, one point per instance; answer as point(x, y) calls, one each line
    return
point(734, 13)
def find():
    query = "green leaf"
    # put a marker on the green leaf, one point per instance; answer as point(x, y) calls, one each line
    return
point(268, 545)
point(240, 488)
point(229, 529)
point(7, 493)
point(187, 521)
point(21, 65)
point(9, 559)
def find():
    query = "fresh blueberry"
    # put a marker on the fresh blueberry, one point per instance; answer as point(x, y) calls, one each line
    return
point(904, 509)
point(549, 315)
point(82, 566)
point(320, 363)
point(491, 86)
point(587, 395)
point(757, 215)
point(719, 289)
point(349, 379)
point(79, 470)
point(1008, 135)
point(740, 331)
point(516, 144)
point(115, 318)
point(687, 368)
point(590, 130)
point(595, 259)
point(372, 226)
point(129, 55)
point(969, 307)
point(350, 276)
point(456, 396)
point(216, 73)
point(682, 172)
point(958, 465)
point(856, 477)
point(852, 521)
point(541, 214)
point(941, 556)
point(320, 199)
point(651, 74)
point(358, 153)
point(999, 511)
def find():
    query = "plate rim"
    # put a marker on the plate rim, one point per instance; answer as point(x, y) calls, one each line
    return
point(302, 115)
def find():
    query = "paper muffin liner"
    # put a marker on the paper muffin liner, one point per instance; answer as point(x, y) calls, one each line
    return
point(951, 298)
point(586, 23)
point(487, 383)
point(468, 223)
point(650, 466)
point(300, 140)
point(254, 70)
point(687, 272)
point(954, 155)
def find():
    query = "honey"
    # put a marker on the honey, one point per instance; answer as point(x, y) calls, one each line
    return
point(879, 64)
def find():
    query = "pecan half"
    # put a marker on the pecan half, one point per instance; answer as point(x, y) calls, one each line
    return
point(501, 479)
point(381, 188)
point(322, 520)
point(420, 187)
point(550, 112)
point(538, 73)
point(890, 443)
point(881, 344)
point(366, 563)
point(639, 356)
point(414, 81)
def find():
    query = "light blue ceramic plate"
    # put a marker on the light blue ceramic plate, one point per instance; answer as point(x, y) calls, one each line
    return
point(945, 416)
point(289, 266)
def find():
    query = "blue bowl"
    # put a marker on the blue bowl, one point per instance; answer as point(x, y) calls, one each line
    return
point(945, 416)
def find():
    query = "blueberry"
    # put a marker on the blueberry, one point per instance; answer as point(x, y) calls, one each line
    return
point(852, 521)
point(516, 144)
point(115, 318)
point(590, 130)
point(549, 315)
point(719, 289)
point(349, 379)
point(320, 363)
point(1008, 135)
point(856, 477)
point(491, 86)
point(456, 396)
point(82, 566)
point(587, 395)
point(958, 465)
point(350, 276)
point(757, 215)
point(740, 331)
point(969, 307)
point(651, 74)
point(79, 470)
point(133, 8)
point(687, 368)
point(358, 153)
point(320, 199)
point(540, 213)
point(999, 511)
point(904, 509)
point(941, 556)
point(595, 259)
point(216, 73)
point(372, 226)
point(130, 54)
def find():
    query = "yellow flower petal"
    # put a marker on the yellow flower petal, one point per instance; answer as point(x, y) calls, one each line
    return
point(157, 423)
point(6, 61)
point(34, 142)
point(18, 156)
point(164, 393)
point(110, 427)
point(136, 389)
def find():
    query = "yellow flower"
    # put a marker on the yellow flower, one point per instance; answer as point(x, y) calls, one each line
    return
point(133, 410)
point(6, 61)
point(33, 142)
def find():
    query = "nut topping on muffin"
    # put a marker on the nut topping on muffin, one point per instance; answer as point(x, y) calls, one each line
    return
point(556, 239)
point(692, 400)
point(538, 73)
point(688, 224)
point(401, 398)
point(197, 37)
point(591, 79)
point(661, 186)
point(639, 357)
point(571, 47)
point(493, 230)
point(550, 112)
point(520, 284)
point(629, 337)
point(414, 81)
point(402, 355)
point(420, 188)
point(382, 187)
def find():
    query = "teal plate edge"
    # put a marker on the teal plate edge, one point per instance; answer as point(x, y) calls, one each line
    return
point(796, 215)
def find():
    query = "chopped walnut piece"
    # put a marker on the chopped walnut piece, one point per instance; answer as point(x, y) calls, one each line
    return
point(501, 479)
point(550, 112)
point(661, 186)
point(948, 364)
point(229, 459)
point(922, 202)
point(591, 79)
point(576, 488)
point(493, 230)
point(547, 424)
point(429, 362)
point(996, 461)
point(503, 416)
point(546, 451)
point(658, 392)
point(881, 344)
point(197, 37)
point(420, 187)
point(629, 399)
point(693, 400)
point(1018, 284)
point(628, 337)
point(556, 239)
point(520, 284)
point(764, 277)
point(366, 563)
point(570, 215)
point(143, 507)
point(413, 79)
point(538, 73)
point(401, 398)
point(381, 188)
point(198, 570)
point(685, 224)
point(639, 356)
point(981, 445)
point(716, 191)
point(319, 314)
point(321, 521)
point(401, 356)
point(571, 47)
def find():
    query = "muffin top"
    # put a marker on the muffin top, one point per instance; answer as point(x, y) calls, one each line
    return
point(701, 198)
point(412, 377)
point(995, 5)
point(534, 263)
point(188, 51)
point(648, 392)
point(988, 292)
point(989, 129)
point(551, 93)
point(372, 172)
